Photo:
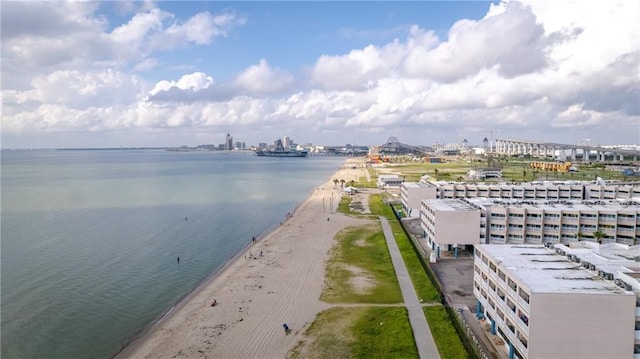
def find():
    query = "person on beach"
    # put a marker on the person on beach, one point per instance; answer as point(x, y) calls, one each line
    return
point(253, 239)
point(178, 259)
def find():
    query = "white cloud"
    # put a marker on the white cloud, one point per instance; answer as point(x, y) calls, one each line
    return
point(263, 79)
point(194, 82)
point(360, 68)
point(146, 64)
point(534, 70)
point(39, 37)
point(511, 42)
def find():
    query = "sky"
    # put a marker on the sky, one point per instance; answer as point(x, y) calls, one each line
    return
point(156, 74)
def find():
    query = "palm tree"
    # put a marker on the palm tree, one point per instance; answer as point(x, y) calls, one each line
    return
point(598, 235)
point(579, 236)
point(342, 181)
point(335, 182)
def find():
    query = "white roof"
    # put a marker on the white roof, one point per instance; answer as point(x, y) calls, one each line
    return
point(542, 270)
point(450, 205)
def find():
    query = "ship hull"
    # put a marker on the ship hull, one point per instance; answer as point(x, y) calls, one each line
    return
point(282, 153)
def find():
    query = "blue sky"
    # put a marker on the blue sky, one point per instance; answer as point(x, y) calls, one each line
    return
point(126, 73)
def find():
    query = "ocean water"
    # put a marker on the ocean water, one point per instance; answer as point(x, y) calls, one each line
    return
point(90, 238)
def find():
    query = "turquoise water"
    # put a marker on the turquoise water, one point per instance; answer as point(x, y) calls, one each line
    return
point(90, 239)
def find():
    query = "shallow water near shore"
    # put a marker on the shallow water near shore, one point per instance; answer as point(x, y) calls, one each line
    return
point(90, 239)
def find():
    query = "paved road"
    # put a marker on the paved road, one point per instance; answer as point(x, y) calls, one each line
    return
point(424, 341)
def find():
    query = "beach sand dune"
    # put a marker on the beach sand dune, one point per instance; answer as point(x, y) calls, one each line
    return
point(277, 280)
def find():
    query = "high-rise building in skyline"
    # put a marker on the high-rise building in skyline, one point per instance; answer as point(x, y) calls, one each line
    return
point(228, 143)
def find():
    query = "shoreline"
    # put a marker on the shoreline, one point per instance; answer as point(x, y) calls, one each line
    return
point(130, 346)
point(252, 294)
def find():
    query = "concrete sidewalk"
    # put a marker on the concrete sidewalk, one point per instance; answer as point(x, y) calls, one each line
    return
point(424, 341)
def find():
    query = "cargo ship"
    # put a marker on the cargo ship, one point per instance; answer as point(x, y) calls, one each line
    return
point(280, 151)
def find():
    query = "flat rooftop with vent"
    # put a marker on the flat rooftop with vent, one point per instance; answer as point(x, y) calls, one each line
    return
point(558, 301)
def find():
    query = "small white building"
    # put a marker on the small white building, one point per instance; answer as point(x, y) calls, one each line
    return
point(484, 173)
point(559, 301)
point(389, 181)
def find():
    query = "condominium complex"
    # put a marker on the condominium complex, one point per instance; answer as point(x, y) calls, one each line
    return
point(557, 301)
point(556, 265)
point(449, 223)
point(569, 190)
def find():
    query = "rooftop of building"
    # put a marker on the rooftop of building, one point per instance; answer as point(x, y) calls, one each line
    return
point(416, 185)
point(550, 270)
point(614, 206)
point(450, 205)
point(566, 205)
point(541, 183)
point(388, 176)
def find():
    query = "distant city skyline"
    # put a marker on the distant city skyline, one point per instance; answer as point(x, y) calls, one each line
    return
point(164, 74)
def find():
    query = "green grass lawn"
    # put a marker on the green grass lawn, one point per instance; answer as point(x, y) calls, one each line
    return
point(421, 282)
point(358, 332)
point(361, 252)
point(444, 334)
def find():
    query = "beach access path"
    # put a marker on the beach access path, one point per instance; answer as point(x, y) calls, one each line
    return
point(276, 280)
point(424, 340)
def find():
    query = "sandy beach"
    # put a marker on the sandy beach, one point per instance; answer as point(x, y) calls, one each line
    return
point(277, 280)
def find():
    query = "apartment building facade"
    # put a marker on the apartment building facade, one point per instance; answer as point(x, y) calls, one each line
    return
point(540, 190)
point(448, 223)
point(412, 194)
point(556, 301)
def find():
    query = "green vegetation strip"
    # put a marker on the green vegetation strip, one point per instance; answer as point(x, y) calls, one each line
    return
point(444, 334)
point(362, 332)
point(359, 269)
point(421, 282)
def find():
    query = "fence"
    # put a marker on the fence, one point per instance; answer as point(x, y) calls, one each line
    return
point(469, 340)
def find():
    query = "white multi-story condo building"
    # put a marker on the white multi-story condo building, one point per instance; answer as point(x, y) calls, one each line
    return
point(449, 223)
point(556, 301)
point(569, 190)
point(412, 193)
